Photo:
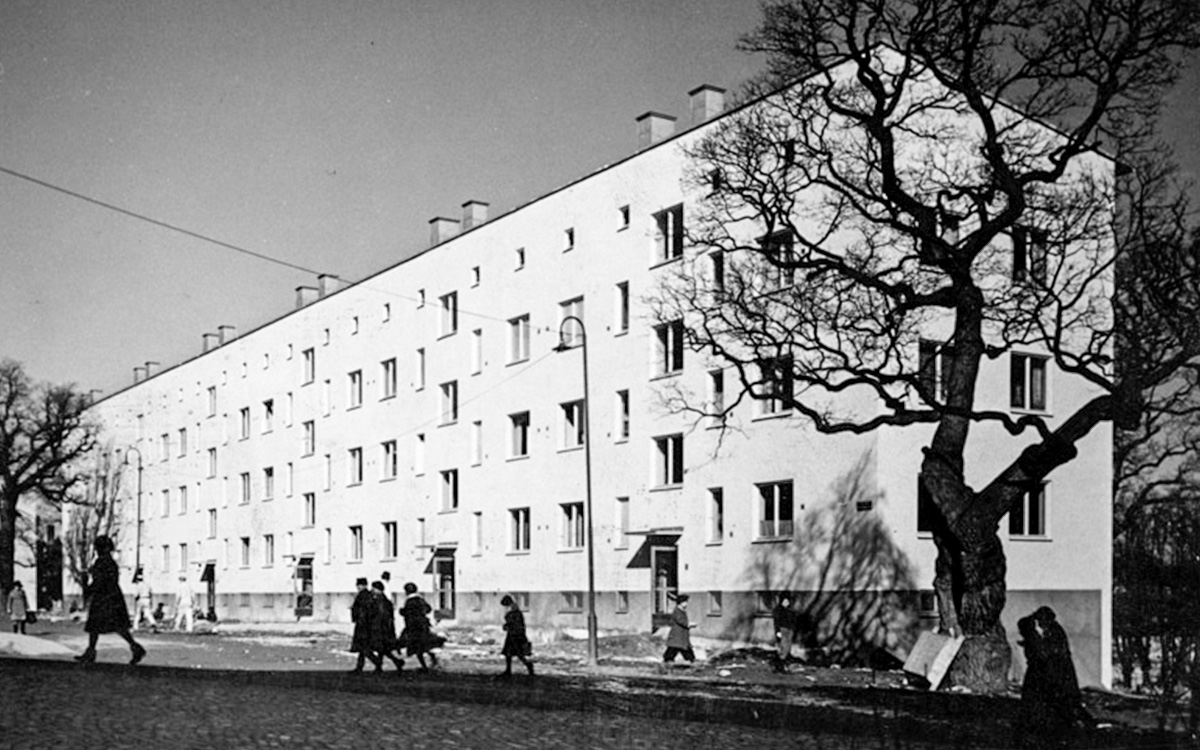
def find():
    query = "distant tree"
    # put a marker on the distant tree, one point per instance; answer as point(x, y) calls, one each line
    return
point(44, 432)
point(895, 215)
point(95, 510)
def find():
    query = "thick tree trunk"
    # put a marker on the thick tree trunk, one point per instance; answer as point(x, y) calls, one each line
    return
point(8, 540)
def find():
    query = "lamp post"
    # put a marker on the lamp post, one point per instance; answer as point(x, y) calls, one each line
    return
point(137, 551)
point(565, 342)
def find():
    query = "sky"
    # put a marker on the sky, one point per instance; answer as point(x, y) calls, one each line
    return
point(326, 135)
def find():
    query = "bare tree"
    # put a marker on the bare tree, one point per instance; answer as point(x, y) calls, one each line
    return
point(95, 511)
point(43, 433)
point(933, 174)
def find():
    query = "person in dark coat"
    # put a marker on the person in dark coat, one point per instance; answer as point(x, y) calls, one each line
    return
point(365, 615)
point(1051, 703)
point(107, 612)
point(418, 638)
point(785, 632)
point(18, 607)
point(383, 635)
point(516, 642)
point(679, 638)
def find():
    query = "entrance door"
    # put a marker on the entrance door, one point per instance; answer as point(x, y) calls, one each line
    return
point(443, 587)
point(304, 587)
point(664, 584)
point(209, 577)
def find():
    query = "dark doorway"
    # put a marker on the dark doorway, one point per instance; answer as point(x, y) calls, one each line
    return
point(303, 582)
point(209, 578)
point(443, 585)
point(664, 584)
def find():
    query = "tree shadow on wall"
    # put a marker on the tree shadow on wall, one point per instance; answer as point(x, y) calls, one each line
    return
point(853, 587)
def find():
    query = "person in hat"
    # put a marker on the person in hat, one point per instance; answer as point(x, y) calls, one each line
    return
point(107, 612)
point(679, 638)
point(365, 615)
point(17, 607)
point(516, 642)
point(418, 638)
point(383, 632)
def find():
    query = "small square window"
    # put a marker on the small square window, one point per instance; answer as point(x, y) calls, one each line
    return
point(622, 602)
point(714, 603)
point(572, 601)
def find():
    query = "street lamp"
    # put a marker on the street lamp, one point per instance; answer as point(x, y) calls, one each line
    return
point(567, 341)
point(137, 552)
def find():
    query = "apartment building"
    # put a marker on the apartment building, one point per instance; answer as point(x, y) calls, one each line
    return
point(431, 421)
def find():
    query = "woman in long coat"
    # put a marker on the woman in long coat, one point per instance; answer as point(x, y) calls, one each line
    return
point(679, 638)
point(365, 615)
point(383, 634)
point(107, 612)
point(418, 638)
point(516, 642)
point(18, 607)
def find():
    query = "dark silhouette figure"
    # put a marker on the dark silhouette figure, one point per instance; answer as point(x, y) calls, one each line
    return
point(107, 612)
point(365, 615)
point(679, 637)
point(1051, 705)
point(516, 642)
point(785, 632)
point(383, 634)
point(418, 638)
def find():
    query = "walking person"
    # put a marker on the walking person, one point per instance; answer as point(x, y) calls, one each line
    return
point(17, 607)
point(384, 632)
point(516, 642)
point(143, 607)
point(418, 638)
point(364, 613)
point(107, 612)
point(785, 632)
point(185, 601)
point(679, 638)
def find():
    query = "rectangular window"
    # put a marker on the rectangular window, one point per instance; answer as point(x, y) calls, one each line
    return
point(476, 276)
point(387, 311)
point(391, 460)
point(714, 603)
point(621, 322)
point(571, 335)
point(775, 510)
point(1029, 255)
point(623, 217)
point(1027, 517)
point(776, 378)
point(419, 375)
point(326, 398)
point(935, 361)
point(268, 482)
point(354, 466)
point(568, 239)
point(779, 250)
point(391, 542)
point(450, 490)
point(717, 270)
point(518, 259)
point(621, 540)
point(420, 298)
point(518, 446)
point(166, 503)
point(669, 240)
point(572, 601)
point(518, 339)
point(1027, 382)
point(356, 543)
point(574, 430)
point(449, 402)
point(289, 479)
point(183, 499)
point(449, 313)
point(310, 509)
point(477, 533)
point(289, 411)
point(716, 515)
point(419, 455)
point(183, 556)
point(621, 428)
point(245, 558)
point(388, 378)
point(572, 530)
point(268, 550)
point(669, 466)
point(476, 443)
point(212, 463)
point(182, 442)
point(622, 606)
point(716, 396)
point(245, 478)
point(268, 415)
point(519, 540)
point(310, 365)
point(244, 422)
point(354, 395)
point(212, 523)
point(328, 461)
point(477, 351)
point(669, 351)
point(166, 557)
point(212, 401)
point(165, 446)
point(309, 446)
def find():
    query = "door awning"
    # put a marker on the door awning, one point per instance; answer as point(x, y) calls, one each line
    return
point(210, 573)
point(441, 552)
point(657, 537)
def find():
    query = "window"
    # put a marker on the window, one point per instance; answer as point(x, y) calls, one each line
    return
point(568, 239)
point(419, 455)
point(165, 447)
point(574, 428)
point(1027, 382)
point(245, 477)
point(288, 410)
point(390, 460)
point(573, 334)
point(183, 499)
point(572, 530)
point(356, 390)
point(356, 543)
point(623, 217)
point(212, 463)
point(450, 489)
point(477, 351)
point(387, 311)
point(572, 601)
point(520, 529)
point(212, 523)
point(212, 401)
point(166, 503)
point(268, 483)
point(388, 378)
point(669, 466)
point(775, 510)
point(776, 376)
point(475, 276)
point(714, 603)
point(622, 523)
point(310, 365)
point(290, 479)
point(268, 415)
point(716, 515)
point(1027, 517)
point(355, 466)
point(935, 361)
point(621, 324)
point(622, 411)
point(419, 376)
point(518, 446)
point(268, 550)
point(669, 340)
point(670, 233)
point(310, 438)
point(449, 402)
point(245, 561)
point(391, 543)
point(518, 259)
point(477, 442)
point(182, 442)
point(354, 326)
point(477, 533)
point(244, 422)
point(310, 509)
point(518, 339)
point(328, 474)
point(780, 252)
point(326, 401)
point(420, 298)
point(1029, 255)
point(622, 606)
point(716, 395)
point(717, 269)
point(166, 557)
point(449, 313)
point(716, 181)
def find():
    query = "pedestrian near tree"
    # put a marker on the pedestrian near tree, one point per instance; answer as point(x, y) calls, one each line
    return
point(679, 637)
point(516, 642)
point(785, 631)
point(107, 612)
point(185, 601)
point(17, 607)
point(365, 615)
point(418, 638)
point(143, 606)
point(384, 632)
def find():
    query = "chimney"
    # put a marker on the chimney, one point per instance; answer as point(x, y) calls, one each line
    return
point(327, 284)
point(305, 295)
point(707, 103)
point(139, 374)
point(441, 229)
point(211, 341)
point(654, 127)
point(150, 368)
point(474, 214)
point(226, 334)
